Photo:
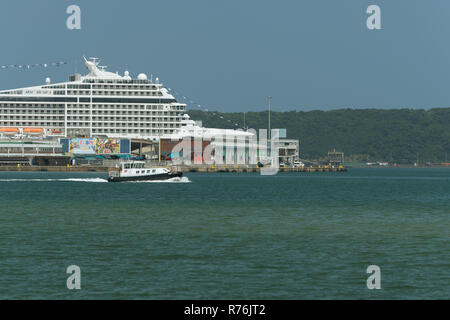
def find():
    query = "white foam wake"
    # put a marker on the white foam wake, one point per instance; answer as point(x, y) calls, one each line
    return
point(67, 179)
point(99, 180)
point(84, 180)
point(171, 180)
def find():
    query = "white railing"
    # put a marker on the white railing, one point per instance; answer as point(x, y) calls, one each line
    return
point(113, 173)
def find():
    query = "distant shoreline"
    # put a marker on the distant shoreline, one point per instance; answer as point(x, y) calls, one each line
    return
point(364, 135)
point(403, 166)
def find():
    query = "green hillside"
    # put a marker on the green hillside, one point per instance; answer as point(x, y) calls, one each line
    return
point(397, 135)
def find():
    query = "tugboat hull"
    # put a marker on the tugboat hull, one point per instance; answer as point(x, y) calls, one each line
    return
point(154, 177)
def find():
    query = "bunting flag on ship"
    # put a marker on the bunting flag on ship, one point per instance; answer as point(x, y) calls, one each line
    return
point(29, 66)
point(193, 103)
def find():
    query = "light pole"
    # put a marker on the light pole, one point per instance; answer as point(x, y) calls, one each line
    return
point(269, 98)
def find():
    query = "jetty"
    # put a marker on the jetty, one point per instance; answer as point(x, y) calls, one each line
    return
point(202, 168)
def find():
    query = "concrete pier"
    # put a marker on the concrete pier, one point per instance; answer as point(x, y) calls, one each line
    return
point(244, 168)
point(193, 168)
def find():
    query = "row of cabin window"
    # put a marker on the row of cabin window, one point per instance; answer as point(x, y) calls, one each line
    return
point(148, 171)
point(134, 165)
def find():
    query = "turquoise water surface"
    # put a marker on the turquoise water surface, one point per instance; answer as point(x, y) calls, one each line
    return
point(227, 235)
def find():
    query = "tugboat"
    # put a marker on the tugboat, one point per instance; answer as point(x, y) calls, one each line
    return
point(136, 171)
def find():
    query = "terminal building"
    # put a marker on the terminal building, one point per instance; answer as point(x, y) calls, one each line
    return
point(288, 151)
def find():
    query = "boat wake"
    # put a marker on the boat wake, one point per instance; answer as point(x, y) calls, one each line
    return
point(97, 180)
point(84, 180)
point(171, 180)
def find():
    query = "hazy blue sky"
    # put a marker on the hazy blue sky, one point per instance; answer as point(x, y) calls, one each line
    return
point(229, 55)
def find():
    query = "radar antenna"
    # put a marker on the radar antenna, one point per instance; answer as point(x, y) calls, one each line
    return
point(95, 60)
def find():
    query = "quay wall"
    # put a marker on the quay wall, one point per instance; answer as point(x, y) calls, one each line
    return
point(195, 168)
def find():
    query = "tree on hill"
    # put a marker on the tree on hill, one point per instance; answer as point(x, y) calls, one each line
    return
point(397, 135)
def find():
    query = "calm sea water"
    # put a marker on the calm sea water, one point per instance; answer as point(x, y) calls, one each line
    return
point(227, 236)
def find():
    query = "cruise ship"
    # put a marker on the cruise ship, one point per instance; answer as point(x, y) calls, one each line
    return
point(101, 103)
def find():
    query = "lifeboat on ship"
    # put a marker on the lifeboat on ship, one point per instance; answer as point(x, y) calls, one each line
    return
point(33, 131)
point(9, 130)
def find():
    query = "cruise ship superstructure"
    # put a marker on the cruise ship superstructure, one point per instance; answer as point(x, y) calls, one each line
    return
point(101, 103)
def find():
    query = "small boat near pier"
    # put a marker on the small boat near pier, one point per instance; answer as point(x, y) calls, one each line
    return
point(136, 171)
